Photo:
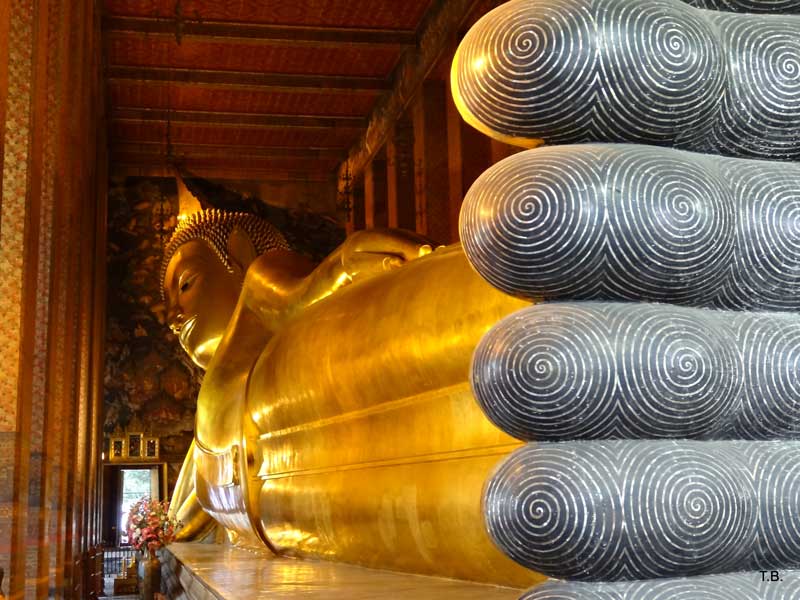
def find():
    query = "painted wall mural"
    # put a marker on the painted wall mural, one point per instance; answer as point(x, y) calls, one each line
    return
point(150, 383)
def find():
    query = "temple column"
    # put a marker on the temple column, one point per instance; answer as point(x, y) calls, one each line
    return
point(400, 175)
point(50, 362)
point(430, 161)
point(375, 194)
point(455, 166)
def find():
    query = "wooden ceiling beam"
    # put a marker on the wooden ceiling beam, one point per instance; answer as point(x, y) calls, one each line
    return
point(224, 151)
point(252, 81)
point(229, 32)
point(438, 30)
point(239, 119)
point(159, 169)
point(295, 163)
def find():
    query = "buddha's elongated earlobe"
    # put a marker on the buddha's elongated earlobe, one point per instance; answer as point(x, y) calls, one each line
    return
point(241, 250)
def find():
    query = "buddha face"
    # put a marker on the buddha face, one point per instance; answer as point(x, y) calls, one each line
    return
point(201, 295)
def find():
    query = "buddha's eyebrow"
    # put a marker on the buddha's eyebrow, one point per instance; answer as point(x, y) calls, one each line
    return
point(183, 274)
point(174, 282)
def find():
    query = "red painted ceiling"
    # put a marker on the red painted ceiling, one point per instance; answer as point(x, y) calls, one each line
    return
point(222, 71)
point(162, 51)
point(378, 14)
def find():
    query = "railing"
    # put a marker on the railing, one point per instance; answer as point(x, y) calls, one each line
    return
point(116, 560)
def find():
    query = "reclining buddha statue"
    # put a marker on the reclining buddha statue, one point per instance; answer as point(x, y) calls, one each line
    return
point(600, 387)
point(335, 418)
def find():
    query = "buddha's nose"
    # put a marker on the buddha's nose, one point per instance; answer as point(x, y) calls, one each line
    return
point(175, 319)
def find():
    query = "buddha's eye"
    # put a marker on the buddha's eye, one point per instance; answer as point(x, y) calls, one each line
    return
point(184, 283)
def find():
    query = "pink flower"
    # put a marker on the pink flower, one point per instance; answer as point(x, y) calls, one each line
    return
point(149, 525)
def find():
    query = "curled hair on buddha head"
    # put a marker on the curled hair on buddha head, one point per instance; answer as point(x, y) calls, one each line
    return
point(214, 227)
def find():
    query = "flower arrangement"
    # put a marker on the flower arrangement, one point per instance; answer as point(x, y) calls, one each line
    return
point(150, 527)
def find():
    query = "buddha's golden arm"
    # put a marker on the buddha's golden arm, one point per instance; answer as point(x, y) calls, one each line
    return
point(184, 506)
point(281, 283)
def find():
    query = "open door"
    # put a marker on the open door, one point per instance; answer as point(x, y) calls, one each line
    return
point(124, 485)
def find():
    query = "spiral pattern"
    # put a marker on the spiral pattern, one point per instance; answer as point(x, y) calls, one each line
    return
point(643, 509)
point(760, 111)
point(738, 586)
point(769, 346)
point(671, 226)
point(767, 262)
point(595, 370)
point(676, 372)
point(660, 68)
point(535, 59)
point(647, 71)
point(605, 221)
point(554, 212)
point(544, 520)
point(550, 375)
point(748, 6)
point(775, 471)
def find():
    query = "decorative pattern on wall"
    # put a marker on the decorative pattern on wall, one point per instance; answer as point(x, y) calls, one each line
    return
point(18, 22)
point(644, 509)
point(661, 73)
point(14, 189)
point(149, 379)
point(625, 222)
point(307, 232)
point(604, 370)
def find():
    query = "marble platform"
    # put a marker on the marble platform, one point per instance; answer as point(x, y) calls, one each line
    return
point(213, 572)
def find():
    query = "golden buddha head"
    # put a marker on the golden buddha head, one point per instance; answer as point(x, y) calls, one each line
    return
point(203, 270)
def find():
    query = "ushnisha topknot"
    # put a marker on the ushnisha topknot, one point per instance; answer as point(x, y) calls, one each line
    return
point(214, 226)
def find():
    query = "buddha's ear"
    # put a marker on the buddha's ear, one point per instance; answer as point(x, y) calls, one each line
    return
point(241, 250)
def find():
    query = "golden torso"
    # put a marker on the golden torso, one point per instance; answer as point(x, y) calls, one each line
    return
point(351, 433)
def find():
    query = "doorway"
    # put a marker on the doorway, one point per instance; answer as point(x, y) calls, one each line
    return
point(124, 485)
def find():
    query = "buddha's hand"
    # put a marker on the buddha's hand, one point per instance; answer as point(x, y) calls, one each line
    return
point(374, 251)
point(362, 255)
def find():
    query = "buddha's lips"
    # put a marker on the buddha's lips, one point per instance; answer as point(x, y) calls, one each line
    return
point(186, 330)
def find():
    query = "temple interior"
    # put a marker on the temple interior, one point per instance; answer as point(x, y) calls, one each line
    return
point(424, 299)
point(334, 116)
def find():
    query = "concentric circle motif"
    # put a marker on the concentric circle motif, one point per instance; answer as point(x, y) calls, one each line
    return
point(596, 370)
point(775, 469)
point(645, 71)
point(553, 213)
point(759, 115)
point(659, 76)
point(671, 227)
point(766, 268)
point(622, 222)
point(549, 374)
point(748, 6)
point(604, 370)
point(769, 347)
point(547, 521)
point(622, 510)
point(547, 49)
point(737, 586)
